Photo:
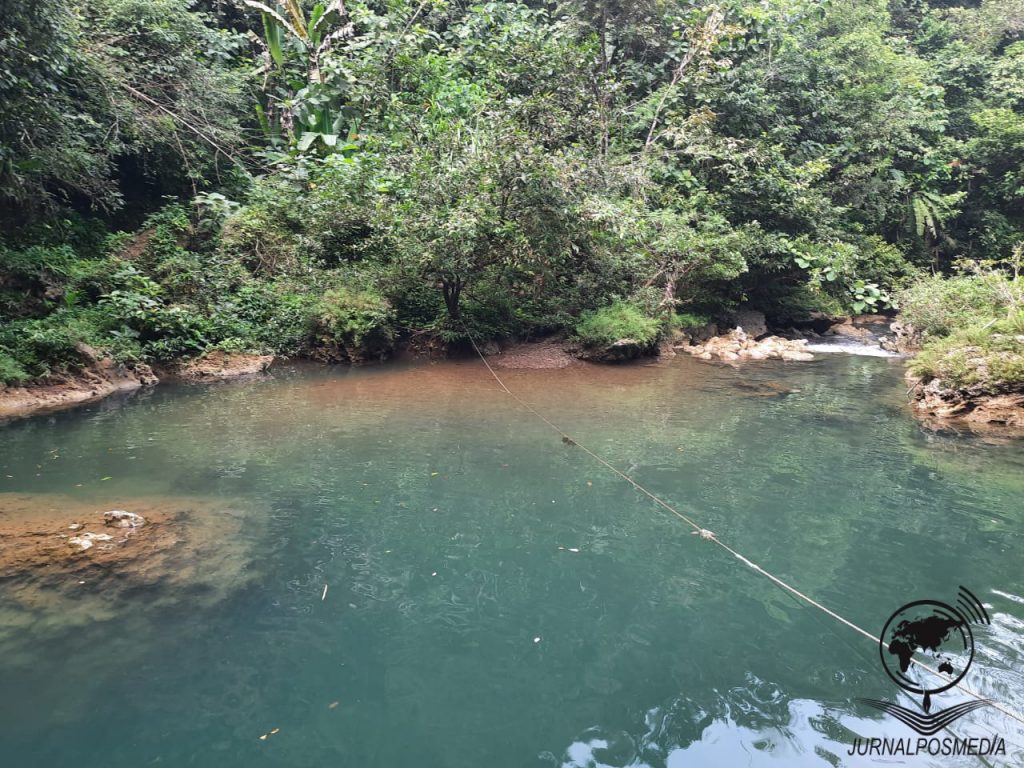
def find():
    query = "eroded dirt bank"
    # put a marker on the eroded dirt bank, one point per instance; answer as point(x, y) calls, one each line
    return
point(104, 377)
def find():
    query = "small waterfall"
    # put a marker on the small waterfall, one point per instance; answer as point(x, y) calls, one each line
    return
point(841, 344)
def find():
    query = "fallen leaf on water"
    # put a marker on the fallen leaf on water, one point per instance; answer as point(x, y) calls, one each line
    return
point(333, 704)
point(589, 483)
point(434, 474)
point(104, 478)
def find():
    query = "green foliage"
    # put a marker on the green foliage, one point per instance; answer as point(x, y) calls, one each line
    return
point(617, 321)
point(984, 357)
point(360, 323)
point(939, 306)
point(687, 320)
point(500, 167)
point(11, 371)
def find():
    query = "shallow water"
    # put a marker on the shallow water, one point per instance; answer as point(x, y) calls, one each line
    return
point(460, 626)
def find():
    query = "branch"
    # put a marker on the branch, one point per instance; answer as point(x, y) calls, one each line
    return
point(197, 131)
point(701, 43)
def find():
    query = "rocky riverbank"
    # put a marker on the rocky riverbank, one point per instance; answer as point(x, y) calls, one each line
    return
point(103, 377)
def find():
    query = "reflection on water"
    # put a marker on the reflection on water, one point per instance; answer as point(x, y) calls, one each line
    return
point(495, 597)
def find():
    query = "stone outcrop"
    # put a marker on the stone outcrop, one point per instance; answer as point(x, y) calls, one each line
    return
point(217, 366)
point(752, 322)
point(119, 518)
point(903, 338)
point(100, 378)
point(941, 407)
point(616, 352)
point(738, 345)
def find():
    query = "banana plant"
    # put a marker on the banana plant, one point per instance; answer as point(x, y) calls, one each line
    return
point(304, 111)
point(327, 24)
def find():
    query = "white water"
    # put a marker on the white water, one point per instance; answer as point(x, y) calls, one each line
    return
point(851, 347)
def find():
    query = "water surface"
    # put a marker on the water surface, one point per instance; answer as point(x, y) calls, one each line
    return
point(496, 598)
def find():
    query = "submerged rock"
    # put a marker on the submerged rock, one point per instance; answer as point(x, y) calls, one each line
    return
point(85, 541)
point(118, 518)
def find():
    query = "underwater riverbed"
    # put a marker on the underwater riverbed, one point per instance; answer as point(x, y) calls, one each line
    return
point(494, 596)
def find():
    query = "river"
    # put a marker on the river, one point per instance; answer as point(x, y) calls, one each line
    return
point(419, 573)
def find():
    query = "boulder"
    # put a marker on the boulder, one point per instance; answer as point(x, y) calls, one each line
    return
point(617, 351)
point(904, 338)
point(752, 322)
point(118, 518)
point(851, 331)
point(738, 345)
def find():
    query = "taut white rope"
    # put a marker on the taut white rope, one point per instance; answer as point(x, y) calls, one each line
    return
point(705, 534)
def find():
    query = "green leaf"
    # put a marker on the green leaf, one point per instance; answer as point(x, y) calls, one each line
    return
point(272, 33)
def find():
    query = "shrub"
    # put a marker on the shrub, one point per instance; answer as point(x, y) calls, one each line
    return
point(980, 358)
point(11, 371)
point(687, 320)
point(273, 317)
point(939, 306)
point(360, 324)
point(616, 321)
point(49, 345)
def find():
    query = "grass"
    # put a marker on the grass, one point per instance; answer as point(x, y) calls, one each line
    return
point(617, 321)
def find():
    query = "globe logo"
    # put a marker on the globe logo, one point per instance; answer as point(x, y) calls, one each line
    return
point(926, 648)
point(927, 634)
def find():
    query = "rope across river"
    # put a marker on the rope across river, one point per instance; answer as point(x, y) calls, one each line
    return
point(707, 535)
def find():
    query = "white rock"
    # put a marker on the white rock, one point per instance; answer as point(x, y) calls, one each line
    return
point(85, 540)
point(118, 518)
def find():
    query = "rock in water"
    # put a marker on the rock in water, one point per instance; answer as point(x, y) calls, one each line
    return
point(118, 518)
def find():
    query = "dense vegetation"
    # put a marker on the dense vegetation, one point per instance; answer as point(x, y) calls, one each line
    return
point(323, 179)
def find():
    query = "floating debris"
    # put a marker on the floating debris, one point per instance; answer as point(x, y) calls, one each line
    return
point(324, 595)
point(536, 639)
point(333, 705)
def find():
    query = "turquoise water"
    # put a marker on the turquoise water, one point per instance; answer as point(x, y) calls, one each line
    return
point(496, 598)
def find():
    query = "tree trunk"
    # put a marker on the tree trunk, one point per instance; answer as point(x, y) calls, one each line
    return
point(452, 290)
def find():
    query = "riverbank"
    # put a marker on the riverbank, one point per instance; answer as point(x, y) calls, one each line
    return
point(936, 405)
point(104, 377)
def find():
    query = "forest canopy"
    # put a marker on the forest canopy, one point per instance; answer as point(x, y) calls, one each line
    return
point(323, 178)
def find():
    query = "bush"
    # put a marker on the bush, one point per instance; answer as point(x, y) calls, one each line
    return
point(983, 358)
point(11, 371)
point(357, 324)
point(49, 345)
point(617, 321)
point(686, 320)
point(939, 306)
point(273, 317)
